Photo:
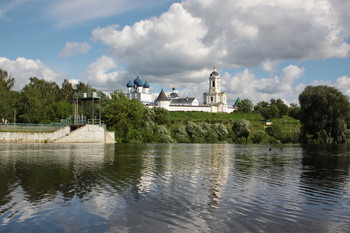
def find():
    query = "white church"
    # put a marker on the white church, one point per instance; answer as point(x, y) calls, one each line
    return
point(213, 101)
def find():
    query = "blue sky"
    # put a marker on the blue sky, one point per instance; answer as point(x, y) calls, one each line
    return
point(262, 49)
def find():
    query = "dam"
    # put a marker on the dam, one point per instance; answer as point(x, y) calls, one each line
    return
point(89, 133)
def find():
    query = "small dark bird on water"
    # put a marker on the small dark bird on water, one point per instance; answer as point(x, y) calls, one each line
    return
point(270, 149)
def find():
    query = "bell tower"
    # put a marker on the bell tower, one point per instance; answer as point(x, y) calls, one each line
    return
point(214, 82)
point(215, 97)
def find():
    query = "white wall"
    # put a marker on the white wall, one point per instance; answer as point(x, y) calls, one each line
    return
point(87, 133)
point(33, 136)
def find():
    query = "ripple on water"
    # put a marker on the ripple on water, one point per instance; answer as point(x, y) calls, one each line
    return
point(179, 188)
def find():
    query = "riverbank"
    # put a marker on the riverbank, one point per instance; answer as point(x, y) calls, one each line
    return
point(161, 126)
point(84, 134)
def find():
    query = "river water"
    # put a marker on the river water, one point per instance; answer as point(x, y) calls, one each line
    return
point(174, 188)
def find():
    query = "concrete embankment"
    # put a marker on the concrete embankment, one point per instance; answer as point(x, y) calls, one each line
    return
point(84, 134)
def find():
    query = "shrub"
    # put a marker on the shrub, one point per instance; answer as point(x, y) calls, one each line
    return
point(180, 135)
point(241, 128)
point(196, 132)
point(260, 137)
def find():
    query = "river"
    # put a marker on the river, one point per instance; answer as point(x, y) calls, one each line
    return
point(174, 188)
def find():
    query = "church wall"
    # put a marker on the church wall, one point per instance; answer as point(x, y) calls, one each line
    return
point(190, 108)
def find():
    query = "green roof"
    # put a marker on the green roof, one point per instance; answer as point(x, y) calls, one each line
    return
point(236, 103)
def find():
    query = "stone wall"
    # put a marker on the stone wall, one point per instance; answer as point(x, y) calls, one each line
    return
point(84, 134)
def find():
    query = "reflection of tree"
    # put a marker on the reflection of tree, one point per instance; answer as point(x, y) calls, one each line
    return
point(45, 170)
point(325, 172)
point(125, 170)
point(7, 181)
point(259, 161)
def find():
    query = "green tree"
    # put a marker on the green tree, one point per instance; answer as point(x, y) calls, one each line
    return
point(282, 108)
point(125, 117)
point(35, 96)
point(260, 105)
point(241, 128)
point(6, 80)
point(58, 110)
point(82, 87)
point(325, 115)
point(294, 111)
point(245, 106)
point(67, 91)
point(8, 97)
point(269, 112)
point(161, 116)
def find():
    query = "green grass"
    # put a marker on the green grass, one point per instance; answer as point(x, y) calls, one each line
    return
point(27, 129)
point(288, 124)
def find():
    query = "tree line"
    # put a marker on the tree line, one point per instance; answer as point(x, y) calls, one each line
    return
point(324, 114)
point(39, 101)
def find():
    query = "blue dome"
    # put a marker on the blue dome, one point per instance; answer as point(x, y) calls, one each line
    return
point(138, 81)
point(146, 85)
point(129, 84)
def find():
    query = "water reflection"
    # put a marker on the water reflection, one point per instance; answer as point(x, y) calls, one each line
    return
point(173, 187)
point(324, 182)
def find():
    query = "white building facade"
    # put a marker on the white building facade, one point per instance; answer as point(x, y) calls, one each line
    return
point(213, 101)
point(139, 90)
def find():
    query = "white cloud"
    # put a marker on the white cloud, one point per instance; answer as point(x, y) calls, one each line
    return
point(196, 34)
point(22, 69)
point(269, 66)
point(170, 44)
point(342, 83)
point(246, 85)
point(74, 48)
point(69, 12)
point(103, 74)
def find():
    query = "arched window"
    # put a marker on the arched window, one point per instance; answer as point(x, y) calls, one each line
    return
point(213, 83)
point(211, 99)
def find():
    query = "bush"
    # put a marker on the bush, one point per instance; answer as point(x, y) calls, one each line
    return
point(241, 128)
point(196, 132)
point(260, 137)
point(221, 131)
point(161, 116)
point(180, 135)
point(162, 134)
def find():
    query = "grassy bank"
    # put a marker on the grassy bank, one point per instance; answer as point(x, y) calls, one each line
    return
point(286, 123)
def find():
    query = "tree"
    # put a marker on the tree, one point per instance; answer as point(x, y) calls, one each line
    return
point(241, 128)
point(82, 87)
point(294, 111)
point(6, 81)
point(67, 91)
point(282, 108)
point(245, 106)
point(35, 96)
point(58, 110)
point(8, 97)
point(260, 105)
point(161, 116)
point(325, 115)
point(125, 117)
point(269, 112)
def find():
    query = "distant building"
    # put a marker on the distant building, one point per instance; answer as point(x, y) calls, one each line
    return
point(139, 90)
point(215, 97)
point(213, 101)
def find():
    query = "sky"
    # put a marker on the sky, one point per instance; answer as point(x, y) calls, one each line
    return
point(263, 49)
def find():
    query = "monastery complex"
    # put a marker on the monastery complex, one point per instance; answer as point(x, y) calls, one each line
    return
point(213, 101)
